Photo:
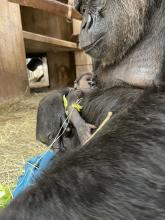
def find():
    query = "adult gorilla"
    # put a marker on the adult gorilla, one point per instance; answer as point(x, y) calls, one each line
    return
point(119, 174)
point(127, 40)
point(128, 34)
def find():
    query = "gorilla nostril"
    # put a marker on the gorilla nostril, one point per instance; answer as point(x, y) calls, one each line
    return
point(89, 21)
point(91, 83)
point(84, 25)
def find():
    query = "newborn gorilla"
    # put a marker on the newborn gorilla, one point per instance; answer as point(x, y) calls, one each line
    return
point(48, 126)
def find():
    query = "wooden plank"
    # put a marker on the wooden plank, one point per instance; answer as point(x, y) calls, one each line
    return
point(52, 6)
point(83, 69)
point(76, 26)
point(13, 75)
point(50, 40)
point(62, 71)
point(45, 23)
point(81, 58)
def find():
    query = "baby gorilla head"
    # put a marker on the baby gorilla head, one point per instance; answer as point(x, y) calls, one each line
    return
point(84, 83)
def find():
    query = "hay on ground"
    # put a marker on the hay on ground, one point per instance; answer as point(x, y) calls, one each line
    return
point(17, 136)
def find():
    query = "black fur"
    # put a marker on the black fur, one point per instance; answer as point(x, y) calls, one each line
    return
point(119, 175)
point(98, 103)
point(50, 117)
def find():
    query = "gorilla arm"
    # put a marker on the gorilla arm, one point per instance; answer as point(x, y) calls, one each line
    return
point(83, 129)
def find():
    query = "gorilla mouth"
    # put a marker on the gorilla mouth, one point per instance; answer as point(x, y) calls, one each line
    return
point(93, 45)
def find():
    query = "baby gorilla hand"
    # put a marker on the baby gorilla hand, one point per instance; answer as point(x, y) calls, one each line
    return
point(85, 132)
point(73, 96)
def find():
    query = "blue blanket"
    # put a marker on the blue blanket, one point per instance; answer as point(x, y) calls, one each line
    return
point(33, 169)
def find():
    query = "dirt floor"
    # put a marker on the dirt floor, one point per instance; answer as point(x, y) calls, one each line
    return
point(17, 136)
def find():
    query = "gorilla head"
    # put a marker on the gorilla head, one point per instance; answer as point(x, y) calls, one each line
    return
point(111, 27)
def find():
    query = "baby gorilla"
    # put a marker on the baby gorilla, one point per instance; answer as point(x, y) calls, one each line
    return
point(48, 125)
point(84, 83)
point(82, 86)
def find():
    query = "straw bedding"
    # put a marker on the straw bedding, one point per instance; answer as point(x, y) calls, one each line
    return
point(17, 136)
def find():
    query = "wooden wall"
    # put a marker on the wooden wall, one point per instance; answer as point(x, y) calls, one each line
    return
point(82, 60)
point(13, 77)
point(61, 68)
point(45, 23)
point(61, 65)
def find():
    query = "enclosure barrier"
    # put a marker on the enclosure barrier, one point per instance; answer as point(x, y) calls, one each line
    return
point(52, 6)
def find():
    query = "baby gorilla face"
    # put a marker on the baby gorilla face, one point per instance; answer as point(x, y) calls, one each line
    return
point(85, 83)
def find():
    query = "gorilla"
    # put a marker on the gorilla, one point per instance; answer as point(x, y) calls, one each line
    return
point(72, 134)
point(119, 173)
point(127, 44)
point(127, 38)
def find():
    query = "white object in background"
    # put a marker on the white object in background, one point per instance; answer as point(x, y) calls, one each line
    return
point(40, 77)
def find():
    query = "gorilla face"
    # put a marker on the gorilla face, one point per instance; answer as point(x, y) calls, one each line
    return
point(110, 27)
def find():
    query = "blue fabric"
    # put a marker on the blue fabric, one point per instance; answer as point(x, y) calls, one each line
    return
point(33, 169)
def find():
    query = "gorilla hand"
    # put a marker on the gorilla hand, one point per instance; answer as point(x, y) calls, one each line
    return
point(73, 96)
point(85, 132)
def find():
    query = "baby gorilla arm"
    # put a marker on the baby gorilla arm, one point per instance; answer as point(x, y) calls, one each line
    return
point(83, 129)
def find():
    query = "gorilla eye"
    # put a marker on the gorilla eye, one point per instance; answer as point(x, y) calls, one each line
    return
point(82, 10)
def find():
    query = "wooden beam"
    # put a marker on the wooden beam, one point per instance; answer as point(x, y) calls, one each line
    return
point(13, 75)
point(52, 6)
point(50, 40)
